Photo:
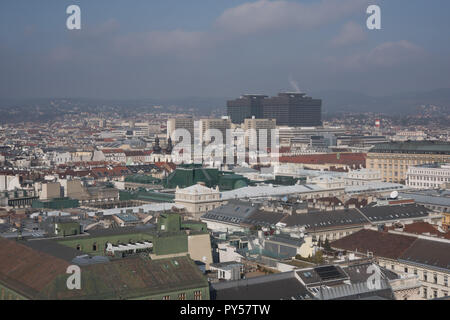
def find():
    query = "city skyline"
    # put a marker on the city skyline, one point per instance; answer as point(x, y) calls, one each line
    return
point(249, 155)
point(221, 49)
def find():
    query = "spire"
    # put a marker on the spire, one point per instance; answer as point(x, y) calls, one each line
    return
point(157, 147)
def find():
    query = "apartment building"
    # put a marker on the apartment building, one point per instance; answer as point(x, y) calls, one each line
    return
point(393, 159)
point(180, 123)
point(198, 199)
point(428, 176)
point(263, 128)
point(362, 177)
point(206, 125)
point(406, 255)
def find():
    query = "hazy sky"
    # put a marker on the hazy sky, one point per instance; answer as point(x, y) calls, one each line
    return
point(220, 48)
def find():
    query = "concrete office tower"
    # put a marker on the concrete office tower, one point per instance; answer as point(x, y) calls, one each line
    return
point(258, 125)
point(50, 190)
point(288, 109)
point(293, 109)
point(206, 125)
point(247, 106)
point(180, 123)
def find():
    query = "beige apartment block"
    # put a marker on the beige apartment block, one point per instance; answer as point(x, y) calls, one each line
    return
point(207, 125)
point(262, 137)
point(199, 248)
point(50, 190)
point(393, 159)
point(180, 123)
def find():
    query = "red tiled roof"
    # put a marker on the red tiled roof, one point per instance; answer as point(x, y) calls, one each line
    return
point(27, 270)
point(110, 172)
point(168, 166)
point(112, 151)
point(351, 159)
point(134, 153)
point(381, 244)
point(424, 228)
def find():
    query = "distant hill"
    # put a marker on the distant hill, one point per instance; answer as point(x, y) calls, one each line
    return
point(398, 104)
point(436, 102)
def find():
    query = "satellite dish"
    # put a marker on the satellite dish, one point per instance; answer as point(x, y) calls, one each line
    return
point(394, 194)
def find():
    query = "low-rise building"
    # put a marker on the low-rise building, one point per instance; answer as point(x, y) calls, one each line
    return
point(39, 272)
point(198, 199)
point(393, 159)
point(420, 256)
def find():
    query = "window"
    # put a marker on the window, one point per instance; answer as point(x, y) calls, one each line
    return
point(166, 298)
point(182, 296)
point(446, 281)
point(425, 293)
point(435, 293)
point(425, 276)
point(435, 278)
point(392, 267)
point(94, 247)
point(197, 295)
point(415, 272)
point(78, 247)
point(406, 270)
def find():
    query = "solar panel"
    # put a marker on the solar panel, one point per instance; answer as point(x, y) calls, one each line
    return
point(328, 273)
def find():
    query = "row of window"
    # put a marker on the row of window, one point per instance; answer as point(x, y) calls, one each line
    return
point(412, 177)
point(182, 296)
point(425, 184)
point(434, 293)
point(425, 277)
point(7, 295)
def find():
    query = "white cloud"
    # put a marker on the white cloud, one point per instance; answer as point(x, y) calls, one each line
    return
point(350, 33)
point(385, 55)
point(263, 15)
point(394, 53)
point(248, 18)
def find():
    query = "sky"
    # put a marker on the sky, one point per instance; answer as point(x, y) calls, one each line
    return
point(221, 48)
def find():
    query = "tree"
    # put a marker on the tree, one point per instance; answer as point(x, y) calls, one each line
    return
point(326, 245)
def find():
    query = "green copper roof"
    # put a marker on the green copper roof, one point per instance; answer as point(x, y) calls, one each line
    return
point(130, 278)
point(413, 147)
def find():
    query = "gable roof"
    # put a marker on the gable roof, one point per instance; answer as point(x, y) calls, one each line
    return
point(435, 254)
point(279, 286)
point(39, 275)
point(25, 270)
point(381, 244)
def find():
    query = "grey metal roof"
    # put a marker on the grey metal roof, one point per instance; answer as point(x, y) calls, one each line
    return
point(413, 147)
point(394, 213)
point(427, 198)
point(356, 291)
point(324, 220)
point(233, 212)
point(279, 286)
point(287, 240)
point(53, 248)
point(360, 272)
